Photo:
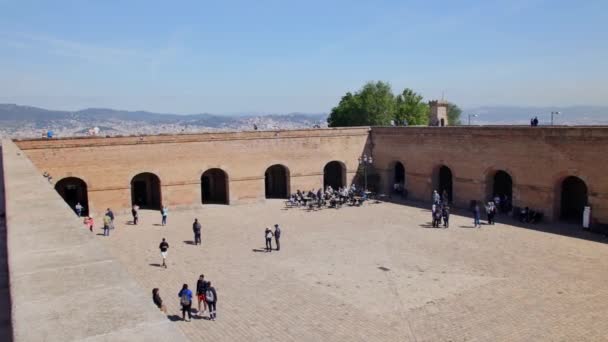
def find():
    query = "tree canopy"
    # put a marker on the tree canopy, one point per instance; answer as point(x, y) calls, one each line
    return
point(376, 105)
point(454, 113)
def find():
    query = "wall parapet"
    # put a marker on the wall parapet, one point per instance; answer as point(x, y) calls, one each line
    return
point(27, 144)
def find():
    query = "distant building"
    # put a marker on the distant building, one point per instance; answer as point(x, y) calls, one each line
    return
point(438, 115)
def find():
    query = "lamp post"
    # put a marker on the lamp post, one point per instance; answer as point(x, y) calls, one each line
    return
point(365, 160)
point(472, 115)
point(552, 114)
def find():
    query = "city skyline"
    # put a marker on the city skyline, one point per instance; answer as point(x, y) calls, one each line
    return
point(274, 57)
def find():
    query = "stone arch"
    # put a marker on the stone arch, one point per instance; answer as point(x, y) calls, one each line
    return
point(146, 191)
point(443, 179)
point(276, 181)
point(397, 175)
point(573, 197)
point(499, 182)
point(214, 187)
point(334, 174)
point(73, 190)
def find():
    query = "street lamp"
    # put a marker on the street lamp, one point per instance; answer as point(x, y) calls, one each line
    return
point(553, 113)
point(365, 161)
point(472, 115)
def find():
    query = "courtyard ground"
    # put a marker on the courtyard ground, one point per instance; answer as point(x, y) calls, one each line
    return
point(372, 273)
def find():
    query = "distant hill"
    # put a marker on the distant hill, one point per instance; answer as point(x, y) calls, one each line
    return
point(26, 121)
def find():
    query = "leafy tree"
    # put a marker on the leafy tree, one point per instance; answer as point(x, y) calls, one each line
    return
point(410, 107)
point(373, 105)
point(454, 113)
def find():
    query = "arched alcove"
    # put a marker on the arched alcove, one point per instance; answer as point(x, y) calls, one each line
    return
point(214, 187)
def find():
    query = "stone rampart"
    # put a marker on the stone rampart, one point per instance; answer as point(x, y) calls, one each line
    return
point(64, 286)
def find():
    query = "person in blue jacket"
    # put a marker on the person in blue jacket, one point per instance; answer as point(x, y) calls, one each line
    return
point(185, 299)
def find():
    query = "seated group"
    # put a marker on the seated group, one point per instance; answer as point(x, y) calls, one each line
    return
point(332, 198)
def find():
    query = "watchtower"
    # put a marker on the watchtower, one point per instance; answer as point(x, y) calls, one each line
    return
point(438, 114)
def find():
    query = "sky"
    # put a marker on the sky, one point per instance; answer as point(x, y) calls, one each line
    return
point(285, 56)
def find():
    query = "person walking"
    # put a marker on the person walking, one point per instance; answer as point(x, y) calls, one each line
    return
point(445, 213)
point(201, 290)
point(107, 222)
point(436, 197)
point(490, 212)
point(437, 217)
point(196, 228)
point(268, 237)
point(78, 208)
point(89, 223)
point(277, 236)
point(211, 298)
point(185, 300)
point(134, 212)
point(164, 246)
point(158, 301)
point(111, 216)
point(476, 215)
point(164, 212)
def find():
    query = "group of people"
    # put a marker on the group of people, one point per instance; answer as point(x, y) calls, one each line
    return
point(490, 209)
point(164, 212)
point(206, 294)
point(440, 210)
point(333, 198)
point(534, 121)
point(269, 234)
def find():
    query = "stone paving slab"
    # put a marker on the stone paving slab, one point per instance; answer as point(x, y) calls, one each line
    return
point(498, 283)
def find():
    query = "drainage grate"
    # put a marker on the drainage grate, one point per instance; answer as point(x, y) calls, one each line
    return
point(384, 268)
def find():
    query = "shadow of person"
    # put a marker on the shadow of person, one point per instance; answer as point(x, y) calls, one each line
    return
point(174, 318)
point(189, 242)
point(258, 250)
point(156, 265)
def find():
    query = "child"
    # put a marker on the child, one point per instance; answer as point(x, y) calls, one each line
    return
point(88, 222)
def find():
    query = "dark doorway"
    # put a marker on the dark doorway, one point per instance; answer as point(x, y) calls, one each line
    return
point(276, 181)
point(573, 199)
point(334, 175)
point(399, 174)
point(502, 185)
point(74, 190)
point(145, 191)
point(214, 187)
point(445, 181)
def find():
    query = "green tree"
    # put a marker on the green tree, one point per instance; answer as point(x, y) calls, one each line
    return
point(373, 105)
point(454, 113)
point(410, 106)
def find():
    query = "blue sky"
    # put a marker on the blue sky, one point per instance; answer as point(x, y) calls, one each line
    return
point(287, 56)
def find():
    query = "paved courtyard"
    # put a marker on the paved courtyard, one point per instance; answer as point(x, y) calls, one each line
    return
point(374, 273)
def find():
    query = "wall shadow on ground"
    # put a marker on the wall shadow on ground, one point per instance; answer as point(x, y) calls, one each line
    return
point(596, 234)
point(6, 331)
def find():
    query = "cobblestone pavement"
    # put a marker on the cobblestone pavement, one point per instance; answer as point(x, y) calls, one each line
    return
point(497, 283)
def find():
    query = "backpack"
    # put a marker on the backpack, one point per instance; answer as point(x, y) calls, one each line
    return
point(209, 297)
point(184, 299)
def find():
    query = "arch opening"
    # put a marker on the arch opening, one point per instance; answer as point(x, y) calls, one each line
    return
point(444, 181)
point(73, 190)
point(334, 175)
point(573, 199)
point(398, 177)
point(276, 181)
point(502, 187)
point(145, 191)
point(214, 187)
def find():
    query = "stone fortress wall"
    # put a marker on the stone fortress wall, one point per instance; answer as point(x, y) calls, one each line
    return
point(537, 159)
point(108, 165)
